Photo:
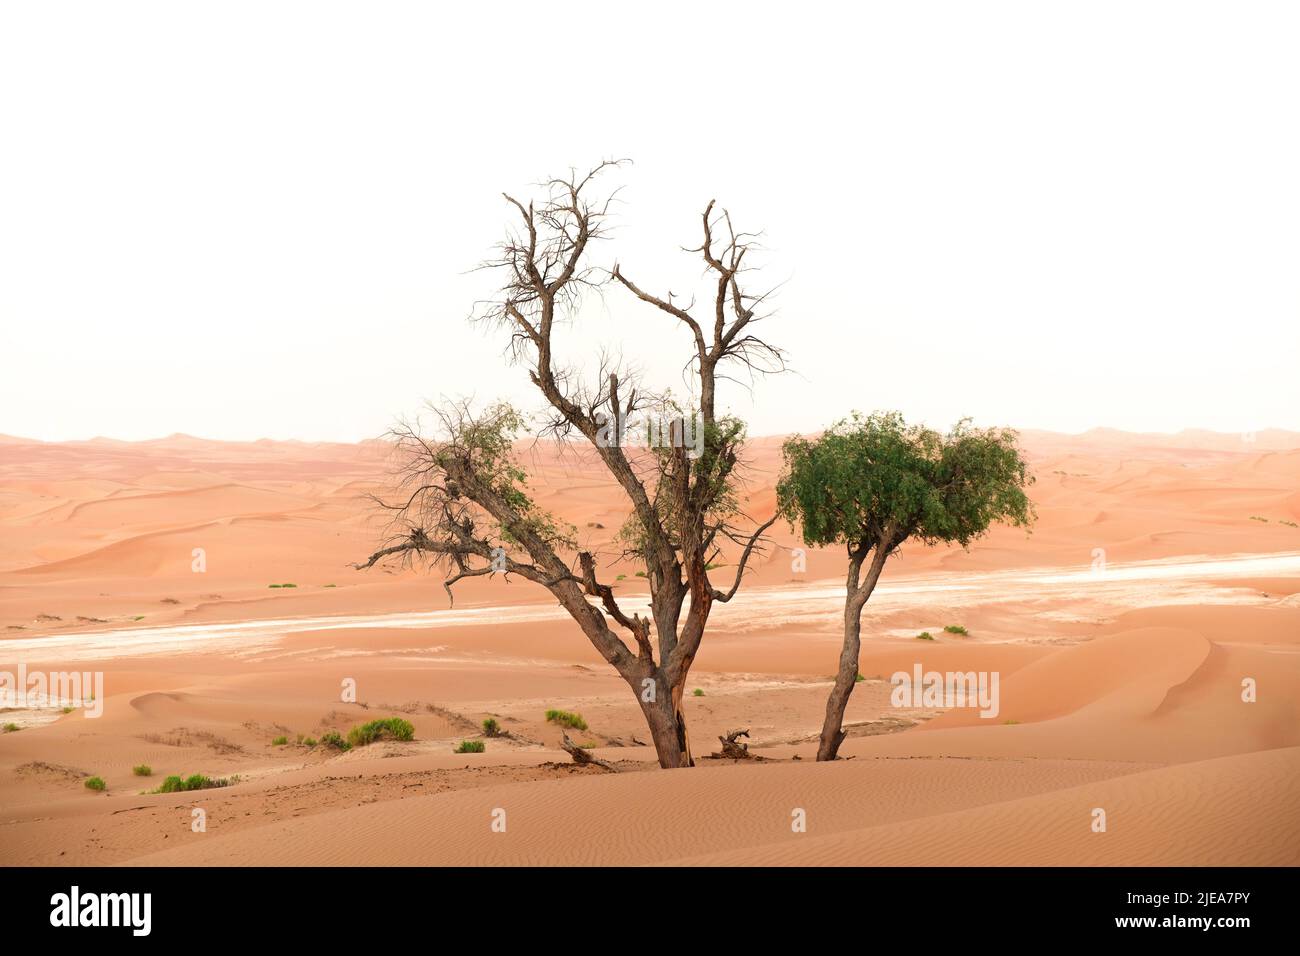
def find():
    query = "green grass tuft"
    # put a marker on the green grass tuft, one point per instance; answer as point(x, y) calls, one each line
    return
point(95, 783)
point(567, 719)
point(279, 741)
point(197, 781)
point(332, 738)
point(956, 629)
point(698, 692)
point(11, 728)
point(491, 728)
point(925, 636)
point(470, 747)
point(143, 770)
point(394, 728)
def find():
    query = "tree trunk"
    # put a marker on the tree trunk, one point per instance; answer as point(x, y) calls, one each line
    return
point(668, 730)
point(847, 676)
point(845, 679)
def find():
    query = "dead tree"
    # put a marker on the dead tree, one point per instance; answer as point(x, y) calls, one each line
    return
point(463, 500)
point(732, 748)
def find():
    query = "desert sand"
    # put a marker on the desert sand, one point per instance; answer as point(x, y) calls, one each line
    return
point(1163, 571)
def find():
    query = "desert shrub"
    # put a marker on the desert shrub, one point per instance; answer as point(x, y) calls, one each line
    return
point(491, 727)
point(567, 719)
point(332, 738)
point(956, 629)
point(143, 770)
point(470, 747)
point(176, 784)
point(95, 783)
point(279, 741)
point(697, 692)
point(309, 741)
point(282, 585)
point(11, 728)
point(925, 636)
point(859, 679)
point(394, 728)
point(66, 710)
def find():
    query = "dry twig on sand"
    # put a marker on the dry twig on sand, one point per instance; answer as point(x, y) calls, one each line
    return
point(581, 756)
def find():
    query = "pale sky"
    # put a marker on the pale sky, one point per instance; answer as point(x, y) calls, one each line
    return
point(247, 220)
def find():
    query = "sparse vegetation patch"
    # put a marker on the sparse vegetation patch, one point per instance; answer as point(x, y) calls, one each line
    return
point(177, 784)
point(388, 728)
point(567, 719)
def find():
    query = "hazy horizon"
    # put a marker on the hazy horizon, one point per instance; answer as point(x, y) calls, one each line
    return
point(218, 226)
point(1245, 437)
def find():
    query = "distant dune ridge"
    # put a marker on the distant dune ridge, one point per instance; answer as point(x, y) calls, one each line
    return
point(1158, 590)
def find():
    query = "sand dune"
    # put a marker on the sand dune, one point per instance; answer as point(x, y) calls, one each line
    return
point(1189, 815)
point(885, 812)
point(1162, 576)
point(636, 818)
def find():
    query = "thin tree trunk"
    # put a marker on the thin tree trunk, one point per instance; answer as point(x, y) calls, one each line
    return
point(846, 677)
point(845, 680)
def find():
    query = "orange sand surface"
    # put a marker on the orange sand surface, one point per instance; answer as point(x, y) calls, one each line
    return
point(1162, 573)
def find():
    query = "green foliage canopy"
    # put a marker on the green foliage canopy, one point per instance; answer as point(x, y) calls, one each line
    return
point(872, 480)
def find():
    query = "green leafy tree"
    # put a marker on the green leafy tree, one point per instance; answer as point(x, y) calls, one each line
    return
point(870, 483)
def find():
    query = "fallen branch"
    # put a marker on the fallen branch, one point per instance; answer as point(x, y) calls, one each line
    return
point(581, 756)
